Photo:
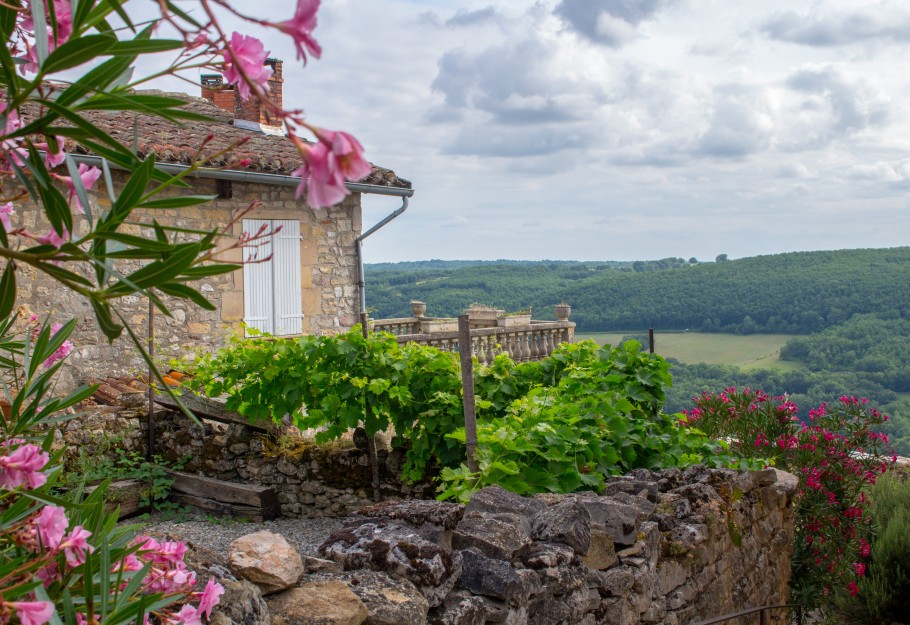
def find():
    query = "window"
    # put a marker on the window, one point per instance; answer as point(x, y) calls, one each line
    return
point(272, 299)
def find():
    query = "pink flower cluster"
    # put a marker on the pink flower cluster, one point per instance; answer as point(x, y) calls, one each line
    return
point(335, 158)
point(62, 352)
point(22, 466)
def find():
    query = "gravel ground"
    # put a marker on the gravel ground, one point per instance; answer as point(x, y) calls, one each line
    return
point(305, 534)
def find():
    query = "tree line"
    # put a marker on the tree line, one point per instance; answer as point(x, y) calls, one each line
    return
point(799, 292)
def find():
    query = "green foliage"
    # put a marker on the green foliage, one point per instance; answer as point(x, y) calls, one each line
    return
point(344, 381)
point(558, 425)
point(795, 293)
point(885, 589)
point(587, 412)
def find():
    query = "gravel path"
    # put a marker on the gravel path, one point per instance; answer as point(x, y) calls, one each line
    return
point(305, 534)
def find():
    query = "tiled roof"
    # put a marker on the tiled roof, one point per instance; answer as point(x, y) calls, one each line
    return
point(174, 143)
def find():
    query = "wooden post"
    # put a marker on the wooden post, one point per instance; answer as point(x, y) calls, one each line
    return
point(371, 440)
point(467, 384)
point(651, 340)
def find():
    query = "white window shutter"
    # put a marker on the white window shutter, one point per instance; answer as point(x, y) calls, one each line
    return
point(258, 289)
point(286, 271)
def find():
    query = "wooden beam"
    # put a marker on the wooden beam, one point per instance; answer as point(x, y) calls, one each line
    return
point(219, 495)
point(214, 410)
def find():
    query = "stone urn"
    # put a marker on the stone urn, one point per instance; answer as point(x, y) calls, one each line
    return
point(418, 309)
point(562, 312)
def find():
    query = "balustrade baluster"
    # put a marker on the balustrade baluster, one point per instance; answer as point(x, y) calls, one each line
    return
point(514, 347)
point(533, 336)
point(525, 349)
point(545, 344)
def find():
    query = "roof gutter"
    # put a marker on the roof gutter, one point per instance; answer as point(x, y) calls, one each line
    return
point(250, 176)
point(288, 181)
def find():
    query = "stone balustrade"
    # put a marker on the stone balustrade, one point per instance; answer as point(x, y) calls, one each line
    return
point(517, 336)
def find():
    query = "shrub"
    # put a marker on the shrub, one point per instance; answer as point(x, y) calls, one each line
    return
point(835, 456)
point(885, 588)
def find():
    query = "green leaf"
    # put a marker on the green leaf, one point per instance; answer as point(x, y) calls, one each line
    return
point(186, 292)
point(111, 329)
point(77, 51)
point(178, 202)
point(158, 272)
point(144, 46)
point(7, 290)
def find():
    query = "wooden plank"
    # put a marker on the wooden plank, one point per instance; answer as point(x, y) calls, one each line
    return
point(252, 495)
point(214, 410)
point(222, 508)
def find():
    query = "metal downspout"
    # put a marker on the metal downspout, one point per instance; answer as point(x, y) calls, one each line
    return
point(358, 246)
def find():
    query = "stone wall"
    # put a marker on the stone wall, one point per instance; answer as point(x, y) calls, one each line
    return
point(311, 480)
point(328, 278)
point(671, 547)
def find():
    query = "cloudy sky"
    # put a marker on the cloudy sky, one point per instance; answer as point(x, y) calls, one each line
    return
point(619, 129)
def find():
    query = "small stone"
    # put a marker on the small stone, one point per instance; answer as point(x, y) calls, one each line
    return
point(312, 564)
point(318, 603)
point(491, 578)
point(496, 499)
point(543, 555)
point(388, 601)
point(494, 537)
point(602, 553)
point(459, 608)
point(567, 522)
point(266, 559)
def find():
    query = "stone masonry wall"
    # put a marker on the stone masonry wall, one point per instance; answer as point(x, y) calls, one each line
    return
point(311, 480)
point(328, 279)
point(670, 547)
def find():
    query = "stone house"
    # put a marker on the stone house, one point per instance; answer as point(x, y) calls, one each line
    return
point(310, 285)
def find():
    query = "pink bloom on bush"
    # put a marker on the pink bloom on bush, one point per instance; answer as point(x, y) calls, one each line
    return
point(89, 176)
point(5, 212)
point(864, 549)
point(54, 238)
point(74, 545)
point(22, 467)
point(860, 568)
point(32, 612)
point(52, 524)
point(327, 165)
point(853, 589)
point(246, 56)
point(300, 28)
point(61, 352)
point(210, 597)
point(52, 159)
point(188, 615)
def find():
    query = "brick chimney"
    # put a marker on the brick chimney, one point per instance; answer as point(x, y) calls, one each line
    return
point(214, 89)
point(249, 115)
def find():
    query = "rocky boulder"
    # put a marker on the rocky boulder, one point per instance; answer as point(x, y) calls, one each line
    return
point(567, 522)
point(497, 536)
point(266, 559)
point(496, 500)
point(388, 601)
point(318, 603)
point(398, 551)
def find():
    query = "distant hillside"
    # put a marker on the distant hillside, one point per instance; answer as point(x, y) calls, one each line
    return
point(799, 292)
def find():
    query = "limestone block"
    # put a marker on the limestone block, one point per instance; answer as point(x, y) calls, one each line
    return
point(494, 537)
point(567, 522)
point(490, 577)
point(399, 551)
point(602, 553)
point(318, 603)
point(460, 608)
point(496, 499)
point(266, 559)
point(388, 601)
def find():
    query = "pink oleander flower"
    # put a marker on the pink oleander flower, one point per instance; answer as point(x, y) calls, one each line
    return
point(62, 352)
point(210, 597)
point(864, 549)
point(74, 546)
point(300, 28)
point(246, 55)
point(171, 551)
point(853, 589)
point(63, 13)
point(52, 524)
point(31, 612)
point(327, 165)
point(6, 211)
point(22, 467)
point(53, 159)
point(88, 175)
point(859, 568)
point(188, 615)
point(55, 239)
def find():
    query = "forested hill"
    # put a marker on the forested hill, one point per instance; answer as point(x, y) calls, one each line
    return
point(799, 292)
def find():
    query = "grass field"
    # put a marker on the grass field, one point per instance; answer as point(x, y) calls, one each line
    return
point(753, 351)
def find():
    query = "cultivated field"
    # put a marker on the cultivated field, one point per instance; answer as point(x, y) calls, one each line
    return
point(753, 351)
